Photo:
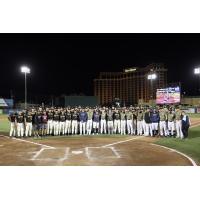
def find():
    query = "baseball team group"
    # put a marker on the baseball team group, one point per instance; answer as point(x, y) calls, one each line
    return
point(155, 121)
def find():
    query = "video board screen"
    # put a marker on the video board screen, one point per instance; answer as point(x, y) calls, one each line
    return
point(170, 95)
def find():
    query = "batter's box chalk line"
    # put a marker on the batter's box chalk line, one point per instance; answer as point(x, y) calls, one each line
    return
point(88, 151)
point(49, 158)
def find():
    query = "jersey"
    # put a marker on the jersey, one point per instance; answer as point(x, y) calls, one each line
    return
point(140, 116)
point(90, 115)
point(129, 115)
point(29, 118)
point(116, 116)
point(68, 116)
point(110, 116)
point(62, 117)
point(123, 116)
point(50, 116)
point(20, 119)
point(103, 115)
point(56, 117)
point(171, 117)
point(44, 119)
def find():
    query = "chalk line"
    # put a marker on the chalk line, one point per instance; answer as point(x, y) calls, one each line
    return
point(173, 150)
point(123, 141)
point(30, 142)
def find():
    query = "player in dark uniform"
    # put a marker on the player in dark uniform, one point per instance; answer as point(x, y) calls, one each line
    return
point(12, 119)
point(28, 124)
point(62, 123)
point(50, 122)
point(39, 122)
point(68, 122)
point(96, 120)
point(20, 124)
point(74, 122)
point(56, 118)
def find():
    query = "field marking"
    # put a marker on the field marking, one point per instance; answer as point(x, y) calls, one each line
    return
point(77, 152)
point(5, 136)
point(58, 161)
point(123, 141)
point(174, 150)
point(88, 154)
point(37, 154)
point(29, 142)
point(61, 160)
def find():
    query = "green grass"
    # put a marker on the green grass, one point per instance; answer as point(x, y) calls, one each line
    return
point(4, 123)
point(194, 115)
point(190, 146)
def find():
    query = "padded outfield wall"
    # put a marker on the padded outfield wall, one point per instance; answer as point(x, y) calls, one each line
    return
point(77, 101)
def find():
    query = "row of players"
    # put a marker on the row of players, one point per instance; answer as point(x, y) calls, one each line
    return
point(160, 121)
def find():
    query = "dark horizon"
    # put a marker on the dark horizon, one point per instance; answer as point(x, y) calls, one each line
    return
point(68, 63)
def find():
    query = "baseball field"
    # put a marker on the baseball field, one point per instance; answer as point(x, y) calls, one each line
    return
point(103, 150)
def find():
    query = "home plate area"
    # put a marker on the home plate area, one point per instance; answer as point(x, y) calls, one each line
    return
point(67, 155)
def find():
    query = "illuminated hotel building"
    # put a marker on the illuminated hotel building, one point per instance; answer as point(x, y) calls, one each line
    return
point(131, 86)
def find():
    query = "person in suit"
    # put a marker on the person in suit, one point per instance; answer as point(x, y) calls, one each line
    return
point(185, 124)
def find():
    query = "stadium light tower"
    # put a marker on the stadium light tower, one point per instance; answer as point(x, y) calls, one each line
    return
point(151, 77)
point(25, 70)
point(197, 71)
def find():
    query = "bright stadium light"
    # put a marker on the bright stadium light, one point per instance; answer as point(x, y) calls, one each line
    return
point(151, 76)
point(197, 70)
point(25, 70)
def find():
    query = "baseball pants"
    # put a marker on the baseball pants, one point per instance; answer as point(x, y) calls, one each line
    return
point(82, 128)
point(62, 127)
point(96, 126)
point(171, 127)
point(74, 126)
point(49, 126)
point(163, 128)
point(89, 126)
point(130, 126)
point(29, 128)
point(123, 127)
point(117, 126)
point(67, 126)
point(103, 126)
point(110, 127)
point(56, 127)
point(148, 129)
point(134, 126)
point(12, 129)
point(20, 129)
point(139, 127)
point(179, 129)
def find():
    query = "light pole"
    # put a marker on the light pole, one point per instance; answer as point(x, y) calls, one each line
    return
point(151, 77)
point(25, 70)
point(197, 71)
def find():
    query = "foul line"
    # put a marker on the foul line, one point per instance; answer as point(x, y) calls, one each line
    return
point(123, 141)
point(173, 150)
point(43, 145)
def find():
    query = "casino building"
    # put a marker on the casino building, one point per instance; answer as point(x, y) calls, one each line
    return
point(132, 86)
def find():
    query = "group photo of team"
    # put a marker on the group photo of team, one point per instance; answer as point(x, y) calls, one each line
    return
point(159, 121)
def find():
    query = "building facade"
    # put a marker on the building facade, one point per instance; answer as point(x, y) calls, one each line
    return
point(131, 86)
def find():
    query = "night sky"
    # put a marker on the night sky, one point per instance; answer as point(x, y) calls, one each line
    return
point(68, 63)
